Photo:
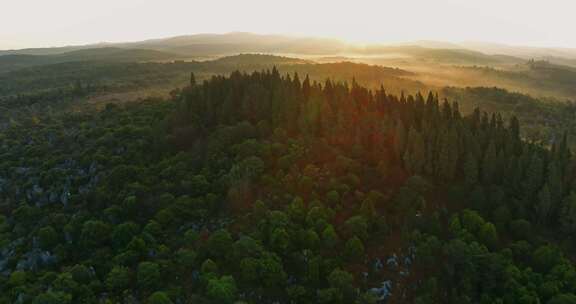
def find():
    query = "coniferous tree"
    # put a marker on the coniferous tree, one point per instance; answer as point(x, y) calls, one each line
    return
point(534, 176)
point(471, 169)
point(475, 120)
point(414, 156)
point(306, 88)
point(515, 134)
point(448, 158)
point(568, 214)
point(400, 139)
point(554, 181)
point(544, 205)
point(447, 112)
point(489, 164)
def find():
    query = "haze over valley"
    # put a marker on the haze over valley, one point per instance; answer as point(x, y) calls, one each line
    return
point(544, 74)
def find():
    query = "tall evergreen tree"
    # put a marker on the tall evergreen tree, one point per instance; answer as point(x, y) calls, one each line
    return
point(414, 156)
point(400, 138)
point(489, 164)
point(544, 205)
point(448, 158)
point(534, 176)
point(471, 169)
point(568, 214)
point(554, 181)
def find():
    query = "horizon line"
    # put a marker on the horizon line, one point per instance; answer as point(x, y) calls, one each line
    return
point(457, 44)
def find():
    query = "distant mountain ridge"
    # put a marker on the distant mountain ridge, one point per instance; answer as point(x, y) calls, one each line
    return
point(520, 51)
point(241, 42)
point(200, 46)
point(211, 44)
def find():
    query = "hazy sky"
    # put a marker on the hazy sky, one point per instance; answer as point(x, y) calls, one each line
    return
point(35, 23)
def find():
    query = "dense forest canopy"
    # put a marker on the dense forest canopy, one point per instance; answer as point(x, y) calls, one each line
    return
point(267, 187)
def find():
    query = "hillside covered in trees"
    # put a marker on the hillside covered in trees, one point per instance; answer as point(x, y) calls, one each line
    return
point(33, 90)
point(543, 120)
point(82, 84)
point(268, 187)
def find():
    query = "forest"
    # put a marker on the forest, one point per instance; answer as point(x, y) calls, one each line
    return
point(272, 187)
point(85, 84)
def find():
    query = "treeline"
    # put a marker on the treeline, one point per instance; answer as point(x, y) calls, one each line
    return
point(133, 75)
point(543, 120)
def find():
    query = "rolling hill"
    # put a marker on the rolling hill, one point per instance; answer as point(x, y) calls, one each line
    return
point(218, 45)
point(110, 54)
point(539, 78)
point(137, 75)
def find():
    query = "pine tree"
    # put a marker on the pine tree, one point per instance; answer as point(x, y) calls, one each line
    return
point(554, 181)
point(568, 214)
point(296, 83)
point(563, 155)
point(400, 139)
point(493, 123)
point(533, 176)
point(544, 205)
point(489, 164)
point(475, 120)
point(414, 156)
point(446, 111)
point(306, 88)
point(456, 111)
point(471, 170)
point(484, 123)
point(478, 198)
point(515, 127)
point(448, 158)
point(499, 167)
point(513, 175)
